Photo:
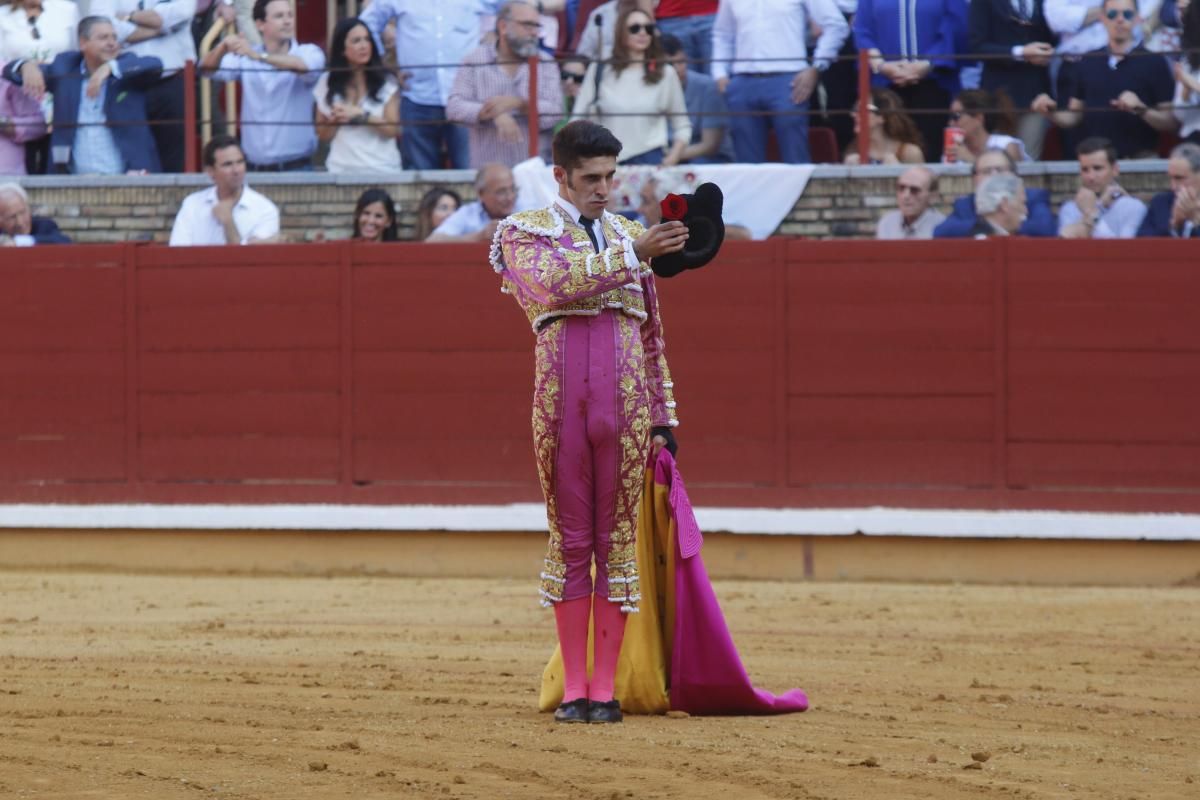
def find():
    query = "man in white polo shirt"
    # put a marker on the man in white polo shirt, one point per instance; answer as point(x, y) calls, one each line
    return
point(229, 212)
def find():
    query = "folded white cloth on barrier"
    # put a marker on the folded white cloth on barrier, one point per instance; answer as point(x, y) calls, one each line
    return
point(758, 196)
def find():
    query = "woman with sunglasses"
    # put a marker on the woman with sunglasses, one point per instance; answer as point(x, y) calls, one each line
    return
point(37, 30)
point(985, 119)
point(635, 94)
point(894, 136)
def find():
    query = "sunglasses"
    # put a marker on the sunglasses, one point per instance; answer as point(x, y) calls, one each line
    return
point(1128, 14)
point(33, 28)
point(637, 28)
point(904, 188)
point(571, 76)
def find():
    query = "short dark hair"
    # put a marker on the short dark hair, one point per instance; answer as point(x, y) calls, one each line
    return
point(671, 44)
point(259, 14)
point(583, 139)
point(218, 142)
point(84, 29)
point(1094, 144)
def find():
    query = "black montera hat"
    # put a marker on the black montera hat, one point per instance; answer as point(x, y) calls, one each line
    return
point(701, 212)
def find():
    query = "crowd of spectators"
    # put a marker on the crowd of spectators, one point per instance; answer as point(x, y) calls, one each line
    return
point(97, 87)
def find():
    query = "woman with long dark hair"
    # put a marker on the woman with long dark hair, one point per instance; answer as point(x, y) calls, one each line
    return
point(894, 137)
point(987, 121)
point(375, 217)
point(1187, 76)
point(358, 104)
point(435, 207)
point(635, 93)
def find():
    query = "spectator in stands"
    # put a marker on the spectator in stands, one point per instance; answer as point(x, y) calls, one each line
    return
point(442, 33)
point(636, 94)
point(915, 217)
point(1015, 34)
point(1001, 203)
point(37, 30)
point(239, 13)
point(477, 221)
point(706, 109)
point(1177, 213)
point(691, 23)
point(229, 211)
point(571, 69)
point(1124, 76)
point(19, 228)
point(88, 113)
point(160, 29)
point(277, 81)
point(358, 104)
point(1077, 24)
point(893, 134)
point(649, 212)
point(490, 92)
point(435, 208)
point(839, 83)
point(1101, 208)
point(1187, 76)
point(599, 33)
point(924, 34)
point(375, 217)
point(21, 121)
point(761, 64)
point(985, 119)
point(963, 215)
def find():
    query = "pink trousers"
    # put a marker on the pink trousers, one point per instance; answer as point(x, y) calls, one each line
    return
point(592, 473)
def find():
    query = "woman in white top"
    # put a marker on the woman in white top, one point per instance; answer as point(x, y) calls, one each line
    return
point(38, 29)
point(358, 104)
point(636, 94)
point(981, 115)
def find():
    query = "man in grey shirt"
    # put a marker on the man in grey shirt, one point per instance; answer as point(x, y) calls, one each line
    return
point(916, 189)
point(706, 108)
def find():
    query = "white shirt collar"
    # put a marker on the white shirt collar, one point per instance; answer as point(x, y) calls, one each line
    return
point(569, 207)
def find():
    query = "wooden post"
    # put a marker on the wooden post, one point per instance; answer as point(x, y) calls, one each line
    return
point(534, 138)
point(864, 99)
point(190, 153)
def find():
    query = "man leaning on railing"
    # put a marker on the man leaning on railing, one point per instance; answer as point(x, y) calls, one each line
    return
point(277, 80)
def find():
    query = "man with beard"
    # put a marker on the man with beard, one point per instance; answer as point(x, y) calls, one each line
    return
point(490, 90)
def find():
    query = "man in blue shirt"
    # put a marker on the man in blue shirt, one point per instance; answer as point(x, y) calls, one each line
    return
point(962, 220)
point(705, 106)
point(427, 34)
point(277, 79)
point(1101, 208)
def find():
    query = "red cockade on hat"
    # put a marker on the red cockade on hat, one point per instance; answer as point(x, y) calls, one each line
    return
point(673, 207)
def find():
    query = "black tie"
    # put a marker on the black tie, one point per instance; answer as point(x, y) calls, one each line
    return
point(587, 226)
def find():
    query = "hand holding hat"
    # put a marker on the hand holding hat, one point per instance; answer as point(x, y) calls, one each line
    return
point(701, 213)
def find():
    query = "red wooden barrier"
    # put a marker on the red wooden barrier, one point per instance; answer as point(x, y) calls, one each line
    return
point(1023, 374)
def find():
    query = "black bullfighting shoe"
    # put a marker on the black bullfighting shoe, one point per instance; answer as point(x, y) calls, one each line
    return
point(574, 711)
point(604, 712)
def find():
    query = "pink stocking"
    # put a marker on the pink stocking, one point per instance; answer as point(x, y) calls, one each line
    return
point(572, 618)
point(610, 630)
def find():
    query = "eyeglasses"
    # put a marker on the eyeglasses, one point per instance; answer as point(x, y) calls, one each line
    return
point(637, 28)
point(993, 171)
point(904, 188)
point(530, 26)
point(956, 115)
point(572, 76)
point(1128, 14)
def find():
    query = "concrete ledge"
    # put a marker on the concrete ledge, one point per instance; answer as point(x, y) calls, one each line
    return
point(518, 556)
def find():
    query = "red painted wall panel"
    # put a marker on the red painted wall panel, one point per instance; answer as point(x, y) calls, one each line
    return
point(974, 374)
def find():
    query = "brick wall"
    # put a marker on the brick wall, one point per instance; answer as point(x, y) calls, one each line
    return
point(839, 202)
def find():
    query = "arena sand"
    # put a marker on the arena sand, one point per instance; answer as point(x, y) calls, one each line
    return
point(169, 686)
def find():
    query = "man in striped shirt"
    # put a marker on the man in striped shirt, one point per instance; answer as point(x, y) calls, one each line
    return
point(491, 90)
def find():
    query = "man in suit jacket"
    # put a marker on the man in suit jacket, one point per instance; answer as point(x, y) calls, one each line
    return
point(1015, 33)
point(95, 88)
point(962, 220)
point(19, 228)
point(1177, 213)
